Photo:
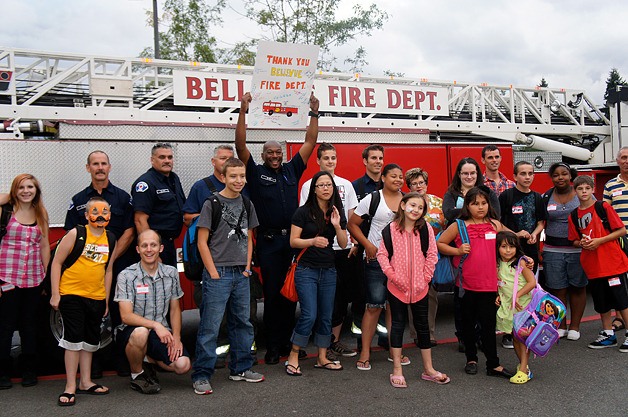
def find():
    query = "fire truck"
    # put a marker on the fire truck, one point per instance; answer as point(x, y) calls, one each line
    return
point(55, 108)
point(272, 107)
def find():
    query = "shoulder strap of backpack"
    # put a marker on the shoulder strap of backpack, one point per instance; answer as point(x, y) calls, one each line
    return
point(574, 219)
point(425, 238)
point(246, 202)
point(216, 212)
point(77, 249)
point(464, 236)
point(376, 198)
point(210, 185)
point(387, 239)
point(111, 240)
point(546, 197)
point(601, 212)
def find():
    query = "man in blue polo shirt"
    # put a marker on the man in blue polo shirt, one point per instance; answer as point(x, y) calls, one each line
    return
point(121, 225)
point(158, 200)
point(274, 190)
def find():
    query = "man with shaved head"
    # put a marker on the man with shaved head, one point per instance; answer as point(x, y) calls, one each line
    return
point(274, 188)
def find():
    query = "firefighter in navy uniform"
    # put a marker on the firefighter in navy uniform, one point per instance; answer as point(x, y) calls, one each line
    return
point(274, 190)
point(158, 200)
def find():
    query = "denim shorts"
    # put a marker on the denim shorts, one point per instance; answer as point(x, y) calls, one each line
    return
point(375, 285)
point(563, 270)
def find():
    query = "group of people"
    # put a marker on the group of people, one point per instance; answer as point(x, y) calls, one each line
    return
point(363, 243)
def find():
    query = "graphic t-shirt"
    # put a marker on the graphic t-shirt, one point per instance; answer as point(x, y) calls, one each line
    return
point(608, 259)
point(229, 243)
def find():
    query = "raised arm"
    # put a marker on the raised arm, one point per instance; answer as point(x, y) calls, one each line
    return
point(240, 134)
point(311, 136)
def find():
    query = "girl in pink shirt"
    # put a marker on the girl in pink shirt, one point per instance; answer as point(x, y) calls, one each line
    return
point(409, 273)
point(479, 278)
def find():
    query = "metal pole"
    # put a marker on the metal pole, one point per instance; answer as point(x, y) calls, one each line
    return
point(156, 29)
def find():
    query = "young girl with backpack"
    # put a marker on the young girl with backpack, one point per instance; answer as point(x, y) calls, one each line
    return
point(409, 270)
point(478, 283)
point(511, 264)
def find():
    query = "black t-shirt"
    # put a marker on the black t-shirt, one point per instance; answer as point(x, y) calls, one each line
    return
point(316, 257)
point(521, 211)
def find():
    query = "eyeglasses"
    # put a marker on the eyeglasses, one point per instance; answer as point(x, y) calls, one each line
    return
point(324, 185)
point(418, 184)
point(468, 174)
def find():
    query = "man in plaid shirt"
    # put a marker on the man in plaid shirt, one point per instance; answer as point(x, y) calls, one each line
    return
point(494, 179)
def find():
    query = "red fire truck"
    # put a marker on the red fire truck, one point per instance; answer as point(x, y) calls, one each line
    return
point(272, 107)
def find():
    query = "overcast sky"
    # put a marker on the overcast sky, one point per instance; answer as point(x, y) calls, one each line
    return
point(573, 44)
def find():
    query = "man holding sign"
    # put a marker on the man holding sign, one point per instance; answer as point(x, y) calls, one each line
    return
point(274, 188)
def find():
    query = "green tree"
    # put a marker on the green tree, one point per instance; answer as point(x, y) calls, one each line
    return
point(314, 22)
point(542, 84)
point(187, 37)
point(614, 79)
point(242, 53)
point(358, 61)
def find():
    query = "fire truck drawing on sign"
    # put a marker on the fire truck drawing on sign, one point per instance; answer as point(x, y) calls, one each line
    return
point(271, 107)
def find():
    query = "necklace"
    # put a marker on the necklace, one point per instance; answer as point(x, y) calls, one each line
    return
point(564, 199)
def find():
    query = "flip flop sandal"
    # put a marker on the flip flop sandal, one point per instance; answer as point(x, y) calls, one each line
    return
point(363, 365)
point(328, 366)
point(439, 378)
point(620, 326)
point(292, 370)
point(520, 378)
point(401, 381)
point(93, 390)
point(71, 400)
point(404, 360)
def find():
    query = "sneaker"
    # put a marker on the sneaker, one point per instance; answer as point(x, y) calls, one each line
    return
point(562, 333)
point(342, 350)
point(624, 348)
point(603, 341)
point(248, 376)
point(331, 356)
point(202, 387)
point(150, 370)
point(573, 335)
point(507, 342)
point(5, 382)
point(29, 379)
point(144, 384)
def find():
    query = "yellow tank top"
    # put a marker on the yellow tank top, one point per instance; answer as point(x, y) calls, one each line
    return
point(86, 278)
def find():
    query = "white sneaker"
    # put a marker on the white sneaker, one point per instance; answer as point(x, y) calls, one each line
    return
point(562, 333)
point(573, 335)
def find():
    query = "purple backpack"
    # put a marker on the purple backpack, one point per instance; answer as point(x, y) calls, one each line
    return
point(536, 326)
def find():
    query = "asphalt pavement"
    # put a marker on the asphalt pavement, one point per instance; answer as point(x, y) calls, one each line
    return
point(571, 381)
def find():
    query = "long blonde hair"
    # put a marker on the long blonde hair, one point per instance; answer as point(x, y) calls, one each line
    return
point(40, 211)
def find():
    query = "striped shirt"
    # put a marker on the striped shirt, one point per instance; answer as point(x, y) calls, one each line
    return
point(150, 295)
point(20, 255)
point(616, 194)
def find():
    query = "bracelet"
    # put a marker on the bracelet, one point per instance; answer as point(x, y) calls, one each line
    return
point(312, 114)
point(248, 271)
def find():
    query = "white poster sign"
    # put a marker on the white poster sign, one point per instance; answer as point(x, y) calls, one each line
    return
point(281, 85)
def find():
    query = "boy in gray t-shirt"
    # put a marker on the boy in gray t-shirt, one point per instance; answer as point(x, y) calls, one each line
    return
point(226, 255)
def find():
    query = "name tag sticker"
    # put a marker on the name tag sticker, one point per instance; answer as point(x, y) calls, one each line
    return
point(490, 236)
point(551, 207)
point(517, 209)
point(102, 248)
point(613, 282)
point(7, 287)
point(435, 216)
point(617, 193)
point(142, 289)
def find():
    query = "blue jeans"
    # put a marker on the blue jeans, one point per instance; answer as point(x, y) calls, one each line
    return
point(316, 288)
point(375, 282)
point(230, 292)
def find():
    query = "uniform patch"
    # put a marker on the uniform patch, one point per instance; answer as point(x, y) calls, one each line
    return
point(141, 187)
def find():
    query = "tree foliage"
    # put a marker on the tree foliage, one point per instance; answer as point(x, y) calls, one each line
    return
point(188, 24)
point(614, 79)
point(542, 84)
point(314, 22)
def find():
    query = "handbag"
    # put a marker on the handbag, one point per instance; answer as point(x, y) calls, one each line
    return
point(289, 289)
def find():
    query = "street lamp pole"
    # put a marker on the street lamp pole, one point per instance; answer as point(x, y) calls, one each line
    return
point(156, 29)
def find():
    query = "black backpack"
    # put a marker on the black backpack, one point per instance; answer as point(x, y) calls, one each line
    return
point(76, 252)
point(7, 210)
point(192, 263)
point(599, 210)
point(423, 233)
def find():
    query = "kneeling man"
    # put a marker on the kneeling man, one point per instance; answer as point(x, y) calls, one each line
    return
point(146, 292)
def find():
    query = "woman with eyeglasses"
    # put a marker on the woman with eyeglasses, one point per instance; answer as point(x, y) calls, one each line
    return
point(416, 180)
point(314, 226)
